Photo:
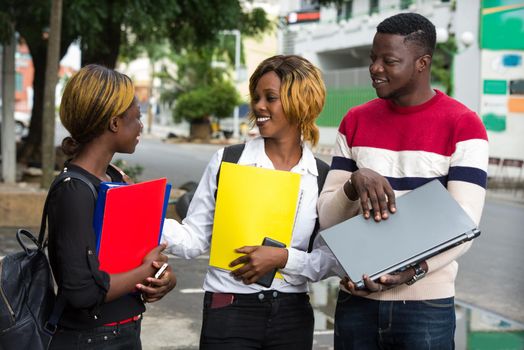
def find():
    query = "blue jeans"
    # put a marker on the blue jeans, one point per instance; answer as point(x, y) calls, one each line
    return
point(365, 324)
point(120, 337)
point(264, 320)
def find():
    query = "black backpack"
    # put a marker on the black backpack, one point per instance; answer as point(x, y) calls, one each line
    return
point(232, 155)
point(29, 309)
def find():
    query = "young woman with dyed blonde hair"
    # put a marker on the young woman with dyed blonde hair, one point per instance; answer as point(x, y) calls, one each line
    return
point(102, 311)
point(287, 95)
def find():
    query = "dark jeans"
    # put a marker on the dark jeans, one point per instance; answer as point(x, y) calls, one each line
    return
point(265, 320)
point(120, 337)
point(365, 324)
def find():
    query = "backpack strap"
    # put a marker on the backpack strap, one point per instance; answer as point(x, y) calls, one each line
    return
point(323, 169)
point(52, 324)
point(60, 303)
point(231, 155)
point(65, 175)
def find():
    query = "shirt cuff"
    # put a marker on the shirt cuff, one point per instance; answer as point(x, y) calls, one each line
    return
point(295, 261)
point(169, 232)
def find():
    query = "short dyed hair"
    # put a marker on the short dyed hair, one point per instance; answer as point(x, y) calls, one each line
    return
point(91, 98)
point(302, 91)
point(414, 27)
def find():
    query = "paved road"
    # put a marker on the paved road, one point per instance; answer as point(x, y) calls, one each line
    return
point(174, 322)
point(490, 274)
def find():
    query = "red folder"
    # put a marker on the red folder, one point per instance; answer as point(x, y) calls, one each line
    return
point(128, 222)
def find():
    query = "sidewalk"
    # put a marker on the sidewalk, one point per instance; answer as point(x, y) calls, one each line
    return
point(506, 195)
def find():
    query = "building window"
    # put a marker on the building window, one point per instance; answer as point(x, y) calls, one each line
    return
point(19, 82)
point(373, 6)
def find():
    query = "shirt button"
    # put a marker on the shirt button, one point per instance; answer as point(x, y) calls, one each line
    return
point(261, 296)
point(105, 337)
point(275, 294)
point(89, 340)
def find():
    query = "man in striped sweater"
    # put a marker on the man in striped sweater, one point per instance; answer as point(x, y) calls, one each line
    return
point(410, 135)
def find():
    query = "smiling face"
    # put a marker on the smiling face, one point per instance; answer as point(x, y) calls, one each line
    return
point(399, 71)
point(267, 108)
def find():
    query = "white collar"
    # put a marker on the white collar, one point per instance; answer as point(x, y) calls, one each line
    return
point(255, 154)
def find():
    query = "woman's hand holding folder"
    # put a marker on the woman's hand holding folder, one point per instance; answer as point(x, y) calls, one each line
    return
point(156, 288)
point(125, 282)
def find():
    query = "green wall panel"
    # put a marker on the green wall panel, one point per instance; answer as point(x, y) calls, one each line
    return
point(496, 341)
point(502, 25)
point(494, 122)
point(339, 101)
point(495, 87)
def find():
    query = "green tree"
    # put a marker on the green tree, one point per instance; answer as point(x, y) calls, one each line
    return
point(200, 91)
point(218, 100)
point(105, 27)
point(442, 64)
point(31, 20)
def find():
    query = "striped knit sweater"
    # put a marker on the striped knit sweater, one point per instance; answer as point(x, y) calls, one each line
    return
point(440, 139)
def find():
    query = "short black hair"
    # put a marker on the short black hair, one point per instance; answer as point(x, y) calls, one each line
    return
point(414, 27)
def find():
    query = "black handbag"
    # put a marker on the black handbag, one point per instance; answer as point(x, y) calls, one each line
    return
point(29, 308)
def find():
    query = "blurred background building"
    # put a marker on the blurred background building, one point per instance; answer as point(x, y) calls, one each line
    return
point(487, 69)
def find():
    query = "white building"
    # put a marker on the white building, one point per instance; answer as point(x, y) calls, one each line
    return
point(339, 42)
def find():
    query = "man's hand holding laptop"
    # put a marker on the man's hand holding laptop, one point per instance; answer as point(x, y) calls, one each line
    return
point(376, 198)
point(385, 282)
point(372, 189)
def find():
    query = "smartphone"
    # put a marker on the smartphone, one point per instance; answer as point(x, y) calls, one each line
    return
point(267, 279)
point(161, 271)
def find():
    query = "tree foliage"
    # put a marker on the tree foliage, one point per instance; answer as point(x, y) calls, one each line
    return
point(218, 100)
point(199, 90)
point(31, 19)
point(442, 64)
point(105, 27)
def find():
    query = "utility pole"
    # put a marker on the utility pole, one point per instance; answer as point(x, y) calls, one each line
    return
point(51, 77)
point(8, 119)
point(236, 33)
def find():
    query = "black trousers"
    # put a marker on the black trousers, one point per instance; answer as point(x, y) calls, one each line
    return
point(119, 337)
point(265, 320)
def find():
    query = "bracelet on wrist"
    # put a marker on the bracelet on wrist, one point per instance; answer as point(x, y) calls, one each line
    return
point(418, 275)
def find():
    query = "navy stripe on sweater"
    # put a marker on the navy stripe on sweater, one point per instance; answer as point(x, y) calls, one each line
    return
point(343, 163)
point(467, 174)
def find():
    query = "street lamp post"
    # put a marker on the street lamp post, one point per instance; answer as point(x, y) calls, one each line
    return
point(236, 33)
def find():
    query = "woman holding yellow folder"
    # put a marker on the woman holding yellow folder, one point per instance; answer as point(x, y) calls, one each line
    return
point(101, 310)
point(287, 95)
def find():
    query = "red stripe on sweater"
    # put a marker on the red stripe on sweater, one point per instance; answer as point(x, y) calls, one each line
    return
point(436, 126)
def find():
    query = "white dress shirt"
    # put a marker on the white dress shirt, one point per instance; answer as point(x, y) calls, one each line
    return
point(193, 237)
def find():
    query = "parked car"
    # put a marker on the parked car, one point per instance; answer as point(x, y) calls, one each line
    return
point(22, 121)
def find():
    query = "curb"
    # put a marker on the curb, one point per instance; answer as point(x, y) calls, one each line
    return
point(21, 205)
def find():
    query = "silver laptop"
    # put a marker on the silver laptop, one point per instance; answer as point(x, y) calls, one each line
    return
point(428, 221)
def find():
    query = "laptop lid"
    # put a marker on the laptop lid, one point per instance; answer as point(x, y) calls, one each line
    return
point(428, 221)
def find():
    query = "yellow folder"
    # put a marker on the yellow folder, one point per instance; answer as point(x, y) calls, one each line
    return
point(252, 203)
